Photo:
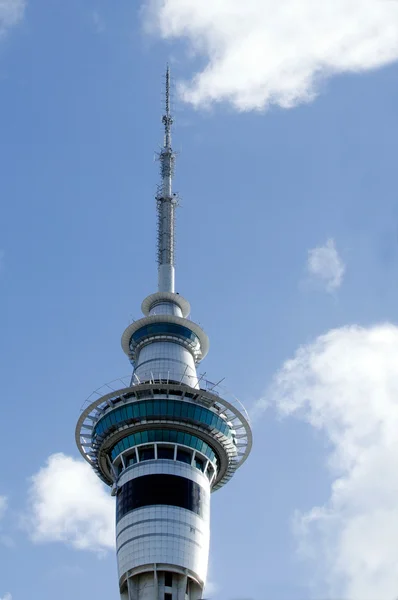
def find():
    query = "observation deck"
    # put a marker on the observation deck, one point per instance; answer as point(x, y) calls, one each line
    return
point(167, 419)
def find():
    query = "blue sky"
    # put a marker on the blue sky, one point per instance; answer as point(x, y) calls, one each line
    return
point(286, 128)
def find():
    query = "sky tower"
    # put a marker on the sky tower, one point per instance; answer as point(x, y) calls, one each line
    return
point(168, 438)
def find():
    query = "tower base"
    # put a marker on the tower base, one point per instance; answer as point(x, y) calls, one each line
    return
point(160, 583)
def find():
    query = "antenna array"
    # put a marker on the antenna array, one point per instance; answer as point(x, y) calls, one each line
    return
point(166, 202)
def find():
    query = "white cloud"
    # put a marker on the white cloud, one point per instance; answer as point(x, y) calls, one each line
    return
point(346, 385)
point(68, 503)
point(11, 13)
point(325, 265)
point(98, 22)
point(3, 506)
point(262, 52)
point(5, 540)
point(6, 596)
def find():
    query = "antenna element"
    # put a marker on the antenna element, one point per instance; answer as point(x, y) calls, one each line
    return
point(166, 202)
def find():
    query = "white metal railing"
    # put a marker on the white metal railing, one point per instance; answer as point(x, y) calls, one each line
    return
point(198, 382)
point(212, 394)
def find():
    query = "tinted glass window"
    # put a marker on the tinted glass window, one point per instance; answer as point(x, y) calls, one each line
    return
point(184, 456)
point(163, 408)
point(165, 453)
point(199, 464)
point(146, 453)
point(131, 460)
point(162, 329)
point(169, 490)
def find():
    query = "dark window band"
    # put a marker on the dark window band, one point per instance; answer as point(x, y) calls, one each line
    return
point(162, 329)
point(169, 490)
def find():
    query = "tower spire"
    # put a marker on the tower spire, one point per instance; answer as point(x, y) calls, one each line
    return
point(167, 118)
point(166, 202)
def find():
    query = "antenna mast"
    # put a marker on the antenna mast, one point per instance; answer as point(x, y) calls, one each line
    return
point(166, 202)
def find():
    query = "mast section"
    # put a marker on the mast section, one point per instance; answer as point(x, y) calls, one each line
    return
point(166, 202)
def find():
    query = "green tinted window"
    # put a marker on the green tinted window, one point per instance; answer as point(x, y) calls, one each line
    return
point(199, 464)
point(184, 456)
point(162, 329)
point(162, 408)
point(184, 409)
point(131, 460)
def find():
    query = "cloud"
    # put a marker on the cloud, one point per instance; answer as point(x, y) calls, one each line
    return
point(11, 13)
point(262, 52)
point(6, 596)
point(68, 503)
point(345, 384)
point(5, 540)
point(98, 22)
point(325, 265)
point(3, 506)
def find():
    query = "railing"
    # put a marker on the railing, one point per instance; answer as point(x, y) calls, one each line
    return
point(198, 382)
point(210, 394)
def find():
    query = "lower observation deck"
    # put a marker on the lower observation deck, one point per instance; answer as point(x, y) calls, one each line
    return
point(163, 418)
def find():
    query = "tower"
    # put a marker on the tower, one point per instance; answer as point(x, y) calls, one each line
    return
point(168, 438)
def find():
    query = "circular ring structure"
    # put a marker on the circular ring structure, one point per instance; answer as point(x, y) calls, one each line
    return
point(134, 327)
point(96, 453)
point(158, 297)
